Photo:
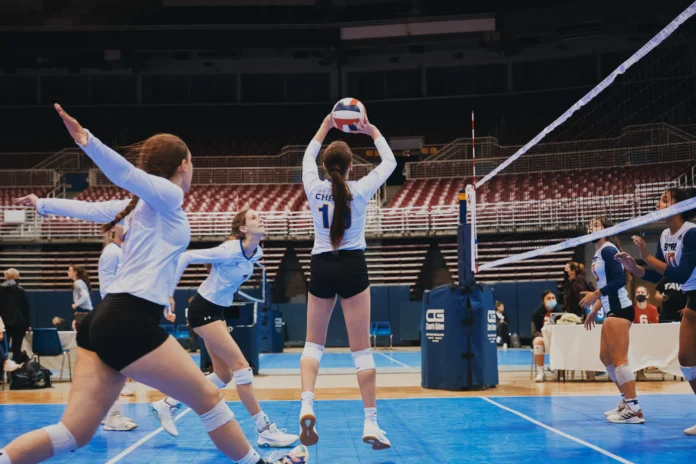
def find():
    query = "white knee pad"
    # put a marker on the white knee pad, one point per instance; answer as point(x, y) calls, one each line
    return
point(689, 373)
point(624, 374)
point(4, 458)
point(363, 359)
point(312, 350)
point(611, 372)
point(538, 350)
point(243, 376)
point(217, 417)
point(61, 439)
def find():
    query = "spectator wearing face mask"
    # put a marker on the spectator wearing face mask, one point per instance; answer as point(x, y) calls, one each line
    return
point(645, 312)
point(540, 318)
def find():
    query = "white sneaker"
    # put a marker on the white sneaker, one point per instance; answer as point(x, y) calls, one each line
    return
point(627, 416)
point(116, 422)
point(540, 377)
point(690, 431)
point(272, 437)
point(505, 347)
point(309, 435)
point(299, 455)
point(127, 390)
point(616, 410)
point(10, 366)
point(165, 414)
point(373, 435)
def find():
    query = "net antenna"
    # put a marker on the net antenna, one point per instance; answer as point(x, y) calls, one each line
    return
point(471, 200)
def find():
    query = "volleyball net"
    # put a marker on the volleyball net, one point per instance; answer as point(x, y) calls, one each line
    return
point(611, 154)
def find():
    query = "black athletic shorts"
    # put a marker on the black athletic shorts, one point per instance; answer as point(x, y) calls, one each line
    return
point(82, 324)
point(691, 299)
point(628, 313)
point(125, 328)
point(342, 273)
point(202, 312)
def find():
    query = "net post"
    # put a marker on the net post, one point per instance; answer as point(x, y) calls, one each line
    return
point(464, 248)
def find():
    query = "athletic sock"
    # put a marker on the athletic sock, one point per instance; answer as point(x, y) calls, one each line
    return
point(633, 403)
point(262, 421)
point(371, 415)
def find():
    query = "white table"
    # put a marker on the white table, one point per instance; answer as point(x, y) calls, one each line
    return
point(67, 341)
point(571, 347)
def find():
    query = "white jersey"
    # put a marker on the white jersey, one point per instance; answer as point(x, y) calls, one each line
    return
point(672, 249)
point(108, 265)
point(231, 268)
point(611, 279)
point(321, 201)
point(155, 233)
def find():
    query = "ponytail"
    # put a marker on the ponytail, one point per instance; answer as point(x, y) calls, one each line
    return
point(341, 197)
point(119, 217)
point(337, 161)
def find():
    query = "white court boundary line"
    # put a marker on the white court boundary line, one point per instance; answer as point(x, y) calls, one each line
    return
point(137, 444)
point(397, 362)
point(558, 432)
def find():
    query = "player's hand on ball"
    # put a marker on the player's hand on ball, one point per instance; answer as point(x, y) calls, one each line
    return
point(328, 122)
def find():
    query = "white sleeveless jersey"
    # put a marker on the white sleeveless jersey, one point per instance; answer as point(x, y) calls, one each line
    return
point(605, 269)
point(321, 201)
point(672, 247)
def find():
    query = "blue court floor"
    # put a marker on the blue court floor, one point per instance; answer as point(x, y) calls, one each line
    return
point(444, 430)
point(387, 361)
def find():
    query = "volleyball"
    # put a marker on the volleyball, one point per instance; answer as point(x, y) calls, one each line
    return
point(347, 113)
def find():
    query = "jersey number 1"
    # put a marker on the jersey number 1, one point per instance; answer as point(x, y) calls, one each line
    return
point(325, 216)
point(671, 259)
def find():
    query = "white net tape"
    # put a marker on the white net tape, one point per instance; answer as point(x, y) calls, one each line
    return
point(678, 208)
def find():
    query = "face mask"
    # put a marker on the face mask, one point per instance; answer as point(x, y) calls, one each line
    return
point(641, 298)
point(551, 304)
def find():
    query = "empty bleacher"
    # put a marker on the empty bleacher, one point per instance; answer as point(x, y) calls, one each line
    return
point(540, 186)
point(48, 270)
point(220, 198)
point(8, 194)
point(545, 267)
point(386, 264)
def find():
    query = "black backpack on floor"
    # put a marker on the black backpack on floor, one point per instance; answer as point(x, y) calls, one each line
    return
point(30, 376)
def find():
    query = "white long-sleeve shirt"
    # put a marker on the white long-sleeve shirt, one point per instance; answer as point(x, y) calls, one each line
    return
point(108, 265)
point(81, 297)
point(231, 268)
point(104, 212)
point(156, 232)
point(321, 199)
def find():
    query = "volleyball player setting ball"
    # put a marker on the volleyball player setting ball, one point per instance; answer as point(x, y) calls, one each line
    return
point(675, 259)
point(338, 264)
point(232, 264)
point(122, 337)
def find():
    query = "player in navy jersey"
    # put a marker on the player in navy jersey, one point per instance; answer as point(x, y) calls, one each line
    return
point(338, 267)
point(612, 297)
point(122, 337)
point(232, 265)
point(675, 259)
